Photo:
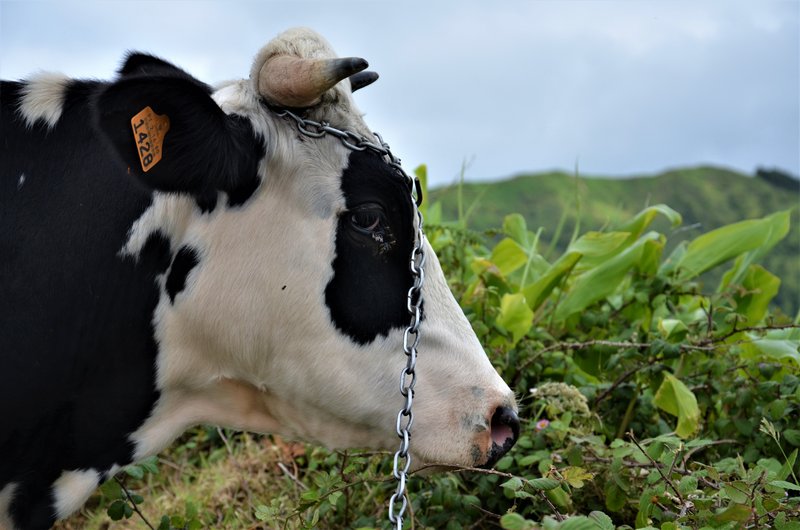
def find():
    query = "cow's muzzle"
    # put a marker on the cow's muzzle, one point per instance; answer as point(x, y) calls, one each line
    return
point(504, 433)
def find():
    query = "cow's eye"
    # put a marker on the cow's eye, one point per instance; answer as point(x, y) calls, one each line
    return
point(368, 219)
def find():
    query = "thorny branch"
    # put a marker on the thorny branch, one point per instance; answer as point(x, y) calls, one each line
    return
point(658, 468)
point(133, 503)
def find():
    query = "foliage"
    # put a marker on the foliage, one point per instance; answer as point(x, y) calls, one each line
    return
point(649, 398)
point(707, 197)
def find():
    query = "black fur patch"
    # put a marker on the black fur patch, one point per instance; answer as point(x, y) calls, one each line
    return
point(77, 352)
point(371, 276)
point(185, 260)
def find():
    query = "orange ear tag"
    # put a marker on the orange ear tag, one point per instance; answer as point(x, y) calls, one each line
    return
point(149, 130)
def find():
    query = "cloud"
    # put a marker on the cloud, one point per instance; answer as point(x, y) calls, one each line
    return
point(626, 87)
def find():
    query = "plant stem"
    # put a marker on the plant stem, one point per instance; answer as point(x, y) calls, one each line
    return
point(133, 504)
point(626, 420)
point(658, 468)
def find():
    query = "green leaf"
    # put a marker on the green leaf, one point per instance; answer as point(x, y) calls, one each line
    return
point(542, 484)
point(150, 464)
point(792, 436)
point(720, 245)
point(782, 524)
point(760, 288)
point(514, 226)
point(788, 466)
point(671, 328)
point(515, 315)
point(432, 213)
point(615, 496)
point(508, 256)
point(675, 398)
point(736, 491)
point(538, 291)
point(687, 484)
point(592, 360)
point(560, 498)
point(514, 483)
point(599, 244)
point(514, 521)
point(785, 485)
point(112, 489)
point(117, 510)
point(643, 219)
point(421, 172)
point(777, 348)
point(601, 281)
point(135, 471)
point(334, 497)
point(601, 520)
point(735, 512)
point(578, 522)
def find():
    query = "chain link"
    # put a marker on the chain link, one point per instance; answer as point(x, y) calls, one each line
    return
point(411, 336)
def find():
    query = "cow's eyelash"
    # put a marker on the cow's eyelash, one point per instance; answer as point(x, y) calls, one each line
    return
point(368, 218)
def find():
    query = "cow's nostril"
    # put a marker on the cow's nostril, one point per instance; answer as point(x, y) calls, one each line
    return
point(505, 430)
point(505, 427)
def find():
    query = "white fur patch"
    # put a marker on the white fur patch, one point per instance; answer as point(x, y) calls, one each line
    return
point(6, 494)
point(21, 181)
point(72, 489)
point(43, 98)
point(169, 214)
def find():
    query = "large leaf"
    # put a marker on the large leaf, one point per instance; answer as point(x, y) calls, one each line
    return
point(675, 398)
point(743, 262)
point(515, 315)
point(636, 226)
point(596, 244)
point(780, 349)
point(720, 245)
point(508, 256)
point(760, 288)
point(538, 291)
point(514, 226)
point(601, 281)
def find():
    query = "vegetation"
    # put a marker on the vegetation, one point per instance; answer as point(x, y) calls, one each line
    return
point(650, 398)
point(706, 197)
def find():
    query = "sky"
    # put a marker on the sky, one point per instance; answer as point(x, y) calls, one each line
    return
point(616, 88)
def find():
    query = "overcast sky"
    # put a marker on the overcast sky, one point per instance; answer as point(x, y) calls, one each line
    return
point(620, 87)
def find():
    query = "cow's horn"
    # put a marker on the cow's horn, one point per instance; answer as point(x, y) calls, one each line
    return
point(297, 82)
point(362, 79)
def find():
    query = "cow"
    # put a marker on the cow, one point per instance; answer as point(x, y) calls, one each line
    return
point(173, 254)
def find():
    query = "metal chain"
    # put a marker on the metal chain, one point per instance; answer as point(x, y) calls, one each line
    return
point(411, 336)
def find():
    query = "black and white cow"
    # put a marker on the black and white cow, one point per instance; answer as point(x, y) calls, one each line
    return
point(244, 275)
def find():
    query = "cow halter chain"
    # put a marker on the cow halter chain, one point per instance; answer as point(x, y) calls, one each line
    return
point(411, 336)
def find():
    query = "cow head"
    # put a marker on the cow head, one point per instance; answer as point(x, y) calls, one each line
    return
point(284, 307)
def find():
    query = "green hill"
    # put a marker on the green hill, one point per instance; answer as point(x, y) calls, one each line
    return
point(706, 197)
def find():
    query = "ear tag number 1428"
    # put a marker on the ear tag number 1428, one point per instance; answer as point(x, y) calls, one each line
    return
point(149, 130)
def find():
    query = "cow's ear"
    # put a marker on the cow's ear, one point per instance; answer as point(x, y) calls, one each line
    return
point(137, 63)
point(173, 136)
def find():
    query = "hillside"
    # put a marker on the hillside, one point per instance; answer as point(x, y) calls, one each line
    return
point(707, 197)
